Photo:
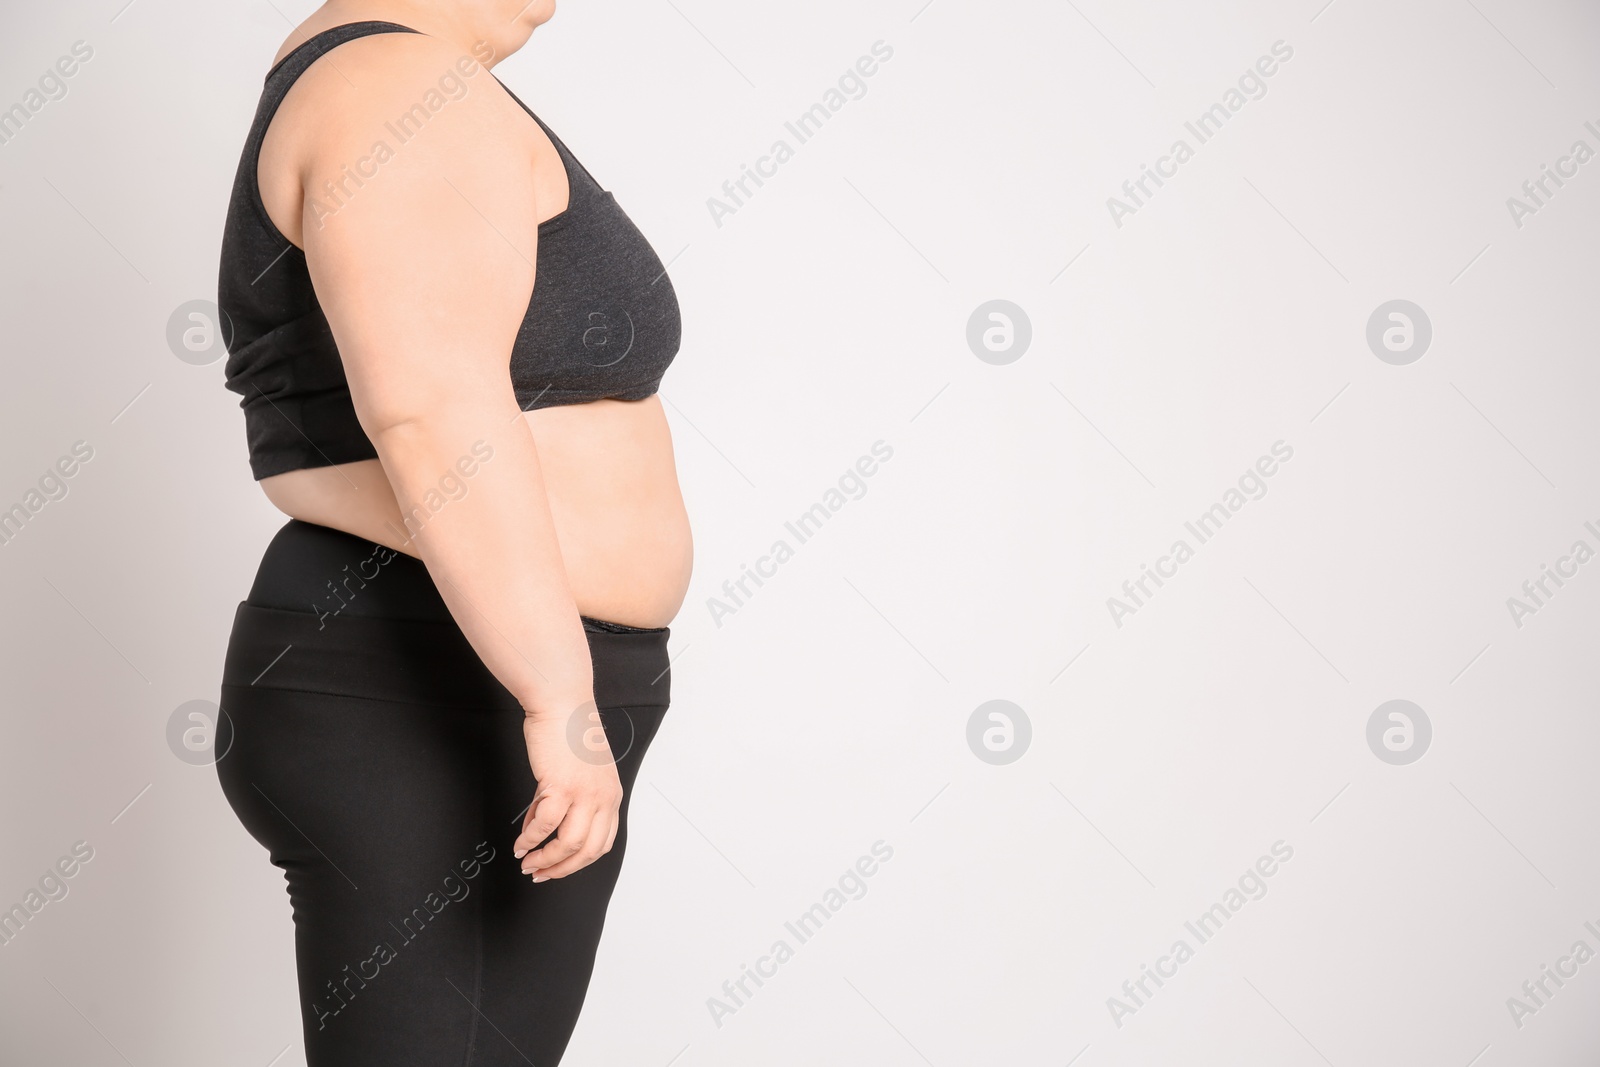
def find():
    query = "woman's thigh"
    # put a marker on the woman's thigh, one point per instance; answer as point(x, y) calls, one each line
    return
point(540, 954)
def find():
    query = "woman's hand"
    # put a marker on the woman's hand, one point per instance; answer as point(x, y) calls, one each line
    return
point(579, 794)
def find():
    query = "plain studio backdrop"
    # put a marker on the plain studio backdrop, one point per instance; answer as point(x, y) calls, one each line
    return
point(1369, 272)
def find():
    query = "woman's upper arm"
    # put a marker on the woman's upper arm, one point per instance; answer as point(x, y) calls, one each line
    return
point(424, 271)
point(421, 251)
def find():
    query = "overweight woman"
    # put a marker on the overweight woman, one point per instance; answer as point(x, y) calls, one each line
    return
point(448, 339)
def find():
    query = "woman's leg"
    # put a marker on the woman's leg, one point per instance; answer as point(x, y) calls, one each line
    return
point(374, 812)
point(540, 942)
point(385, 771)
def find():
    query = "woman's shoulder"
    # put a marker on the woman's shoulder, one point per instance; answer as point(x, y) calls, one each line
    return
point(377, 92)
point(379, 72)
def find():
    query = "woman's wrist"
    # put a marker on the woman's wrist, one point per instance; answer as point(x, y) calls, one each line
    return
point(545, 708)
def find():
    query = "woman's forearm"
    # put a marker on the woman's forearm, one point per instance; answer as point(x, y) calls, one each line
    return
point(473, 504)
point(425, 278)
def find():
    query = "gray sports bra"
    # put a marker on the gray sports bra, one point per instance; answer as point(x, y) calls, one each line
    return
point(602, 321)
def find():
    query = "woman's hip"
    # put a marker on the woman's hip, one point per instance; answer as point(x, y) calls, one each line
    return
point(331, 613)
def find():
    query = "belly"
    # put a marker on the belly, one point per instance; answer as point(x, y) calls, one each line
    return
point(613, 489)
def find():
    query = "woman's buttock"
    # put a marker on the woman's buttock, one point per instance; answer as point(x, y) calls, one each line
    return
point(614, 498)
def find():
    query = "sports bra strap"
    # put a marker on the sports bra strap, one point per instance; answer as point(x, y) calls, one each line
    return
point(281, 78)
point(290, 67)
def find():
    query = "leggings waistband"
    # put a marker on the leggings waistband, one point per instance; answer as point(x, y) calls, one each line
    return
point(412, 662)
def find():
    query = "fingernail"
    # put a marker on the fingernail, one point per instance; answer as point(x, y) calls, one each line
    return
point(519, 853)
point(540, 878)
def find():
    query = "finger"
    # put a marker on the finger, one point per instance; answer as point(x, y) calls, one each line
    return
point(536, 821)
point(593, 848)
point(612, 838)
point(571, 836)
point(544, 815)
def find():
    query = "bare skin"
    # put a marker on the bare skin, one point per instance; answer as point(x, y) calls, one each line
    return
point(425, 274)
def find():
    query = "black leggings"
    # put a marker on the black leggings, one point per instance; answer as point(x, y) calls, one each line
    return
point(366, 746)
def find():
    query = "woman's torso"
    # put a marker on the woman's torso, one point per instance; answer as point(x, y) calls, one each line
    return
point(607, 465)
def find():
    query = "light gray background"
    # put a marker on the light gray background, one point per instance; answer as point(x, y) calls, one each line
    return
point(831, 711)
